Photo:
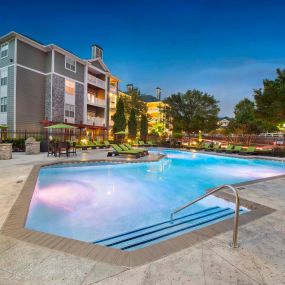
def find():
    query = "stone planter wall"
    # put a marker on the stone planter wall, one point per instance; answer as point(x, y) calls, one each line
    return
point(32, 146)
point(5, 151)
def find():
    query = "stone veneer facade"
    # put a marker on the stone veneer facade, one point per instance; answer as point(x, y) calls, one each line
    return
point(48, 97)
point(79, 103)
point(58, 94)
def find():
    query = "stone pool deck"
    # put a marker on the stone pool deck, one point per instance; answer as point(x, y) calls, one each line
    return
point(259, 260)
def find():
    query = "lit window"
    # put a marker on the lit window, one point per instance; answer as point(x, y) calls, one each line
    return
point(3, 104)
point(69, 87)
point(4, 77)
point(69, 111)
point(4, 50)
point(70, 64)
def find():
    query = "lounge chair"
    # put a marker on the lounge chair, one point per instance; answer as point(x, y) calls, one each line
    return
point(98, 144)
point(142, 143)
point(229, 147)
point(118, 150)
point(150, 143)
point(216, 147)
point(129, 147)
point(206, 146)
point(236, 149)
point(249, 150)
point(107, 144)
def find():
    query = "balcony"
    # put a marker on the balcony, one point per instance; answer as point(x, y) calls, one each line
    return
point(97, 121)
point(96, 81)
point(113, 89)
point(92, 100)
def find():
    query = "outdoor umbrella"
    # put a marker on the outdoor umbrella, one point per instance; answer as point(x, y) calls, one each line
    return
point(61, 127)
point(120, 133)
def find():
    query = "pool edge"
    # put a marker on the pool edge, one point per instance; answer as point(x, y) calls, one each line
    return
point(14, 226)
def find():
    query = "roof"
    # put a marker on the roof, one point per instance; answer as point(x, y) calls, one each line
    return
point(48, 47)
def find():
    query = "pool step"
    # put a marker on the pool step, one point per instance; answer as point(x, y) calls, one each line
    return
point(147, 235)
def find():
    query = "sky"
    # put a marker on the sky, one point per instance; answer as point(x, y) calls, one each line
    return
point(223, 47)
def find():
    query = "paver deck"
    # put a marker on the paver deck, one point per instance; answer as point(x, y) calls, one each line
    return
point(259, 260)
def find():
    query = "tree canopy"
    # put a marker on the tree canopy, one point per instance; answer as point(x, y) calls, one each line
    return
point(134, 101)
point(143, 127)
point(132, 125)
point(192, 111)
point(270, 100)
point(119, 117)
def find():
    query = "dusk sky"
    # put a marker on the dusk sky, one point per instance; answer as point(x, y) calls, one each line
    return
point(225, 48)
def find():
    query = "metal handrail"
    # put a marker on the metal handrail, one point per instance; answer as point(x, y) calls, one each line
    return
point(236, 219)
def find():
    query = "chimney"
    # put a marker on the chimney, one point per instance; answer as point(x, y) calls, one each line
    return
point(97, 51)
point(158, 93)
point(130, 87)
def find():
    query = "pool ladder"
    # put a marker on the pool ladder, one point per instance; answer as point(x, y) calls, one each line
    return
point(234, 243)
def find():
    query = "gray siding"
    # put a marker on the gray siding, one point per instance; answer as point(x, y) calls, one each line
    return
point(11, 54)
point(59, 67)
point(58, 93)
point(98, 65)
point(30, 99)
point(10, 98)
point(32, 57)
point(79, 103)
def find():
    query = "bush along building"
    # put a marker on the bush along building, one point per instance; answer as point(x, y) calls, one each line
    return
point(46, 84)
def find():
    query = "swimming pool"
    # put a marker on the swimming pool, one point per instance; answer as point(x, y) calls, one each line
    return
point(128, 205)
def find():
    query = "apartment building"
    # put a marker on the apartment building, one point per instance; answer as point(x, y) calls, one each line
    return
point(45, 84)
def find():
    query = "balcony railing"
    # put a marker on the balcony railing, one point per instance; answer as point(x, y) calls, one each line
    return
point(96, 81)
point(96, 101)
point(97, 121)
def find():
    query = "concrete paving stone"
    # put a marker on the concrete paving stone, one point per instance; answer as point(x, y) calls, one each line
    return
point(101, 271)
point(57, 269)
point(134, 276)
point(22, 255)
point(6, 243)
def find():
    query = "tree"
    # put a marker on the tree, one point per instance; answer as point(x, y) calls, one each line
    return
point(119, 117)
point(143, 127)
point(246, 120)
point(158, 129)
point(132, 124)
point(270, 101)
point(192, 111)
point(134, 101)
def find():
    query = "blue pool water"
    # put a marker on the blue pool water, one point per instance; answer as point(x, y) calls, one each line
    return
point(93, 201)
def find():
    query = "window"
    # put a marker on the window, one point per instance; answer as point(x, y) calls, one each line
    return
point(70, 64)
point(4, 50)
point(4, 77)
point(69, 111)
point(69, 87)
point(3, 104)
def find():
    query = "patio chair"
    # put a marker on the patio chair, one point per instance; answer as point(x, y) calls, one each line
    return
point(72, 148)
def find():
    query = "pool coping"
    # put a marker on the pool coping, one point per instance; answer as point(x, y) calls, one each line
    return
point(14, 226)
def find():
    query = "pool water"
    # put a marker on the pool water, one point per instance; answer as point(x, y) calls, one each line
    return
point(93, 201)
